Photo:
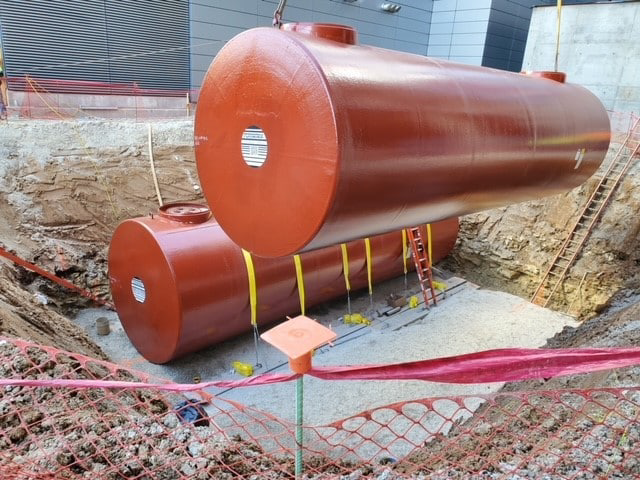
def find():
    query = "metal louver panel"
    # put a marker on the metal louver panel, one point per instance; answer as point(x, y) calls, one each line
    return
point(39, 34)
point(135, 26)
point(78, 40)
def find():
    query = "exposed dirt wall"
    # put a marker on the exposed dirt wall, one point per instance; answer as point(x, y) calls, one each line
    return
point(511, 248)
point(24, 315)
point(64, 186)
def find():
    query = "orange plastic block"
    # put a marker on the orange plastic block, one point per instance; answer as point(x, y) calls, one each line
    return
point(296, 338)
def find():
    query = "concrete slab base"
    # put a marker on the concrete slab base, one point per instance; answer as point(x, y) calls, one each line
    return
point(466, 320)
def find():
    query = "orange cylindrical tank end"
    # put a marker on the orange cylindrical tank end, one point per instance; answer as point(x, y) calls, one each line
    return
point(301, 364)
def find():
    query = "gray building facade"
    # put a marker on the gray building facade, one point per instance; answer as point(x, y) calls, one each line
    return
point(492, 33)
point(110, 41)
point(170, 44)
point(213, 22)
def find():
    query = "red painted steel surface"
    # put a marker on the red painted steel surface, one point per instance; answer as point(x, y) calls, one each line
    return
point(363, 140)
point(196, 284)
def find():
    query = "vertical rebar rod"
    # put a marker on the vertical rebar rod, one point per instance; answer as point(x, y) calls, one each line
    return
point(299, 419)
point(256, 334)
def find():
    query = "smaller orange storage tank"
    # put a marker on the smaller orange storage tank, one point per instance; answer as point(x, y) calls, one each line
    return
point(180, 284)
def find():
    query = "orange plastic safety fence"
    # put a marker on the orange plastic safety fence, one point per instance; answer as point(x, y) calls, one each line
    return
point(56, 99)
point(55, 432)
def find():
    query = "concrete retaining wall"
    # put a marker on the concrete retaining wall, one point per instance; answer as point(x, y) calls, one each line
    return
point(599, 48)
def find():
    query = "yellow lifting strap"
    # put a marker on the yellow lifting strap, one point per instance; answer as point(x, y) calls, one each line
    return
point(404, 250)
point(345, 265)
point(429, 244)
point(300, 280)
point(367, 249)
point(253, 292)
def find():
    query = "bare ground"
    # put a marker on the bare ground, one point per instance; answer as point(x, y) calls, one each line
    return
point(64, 186)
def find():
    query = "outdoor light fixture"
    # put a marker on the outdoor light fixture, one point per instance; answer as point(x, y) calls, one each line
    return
point(390, 7)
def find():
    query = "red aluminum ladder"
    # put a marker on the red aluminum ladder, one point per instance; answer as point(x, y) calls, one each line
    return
point(423, 264)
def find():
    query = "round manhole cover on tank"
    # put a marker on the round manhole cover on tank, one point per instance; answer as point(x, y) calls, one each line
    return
point(185, 212)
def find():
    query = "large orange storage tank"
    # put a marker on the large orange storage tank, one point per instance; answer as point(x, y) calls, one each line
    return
point(180, 284)
point(317, 140)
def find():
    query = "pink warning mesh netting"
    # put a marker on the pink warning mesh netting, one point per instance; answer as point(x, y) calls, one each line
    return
point(147, 433)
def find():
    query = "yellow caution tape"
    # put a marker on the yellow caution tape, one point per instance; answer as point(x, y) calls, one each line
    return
point(345, 265)
point(253, 293)
point(300, 279)
point(367, 248)
point(404, 250)
point(429, 244)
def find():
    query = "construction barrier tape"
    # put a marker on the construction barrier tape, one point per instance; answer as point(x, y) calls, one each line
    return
point(60, 281)
point(404, 251)
point(491, 366)
point(367, 249)
point(502, 365)
point(345, 265)
point(429, 243)
point(253, 291)
point(300, 281)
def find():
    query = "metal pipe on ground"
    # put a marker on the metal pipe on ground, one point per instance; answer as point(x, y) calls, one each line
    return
point(180, 284)
point(303, 133)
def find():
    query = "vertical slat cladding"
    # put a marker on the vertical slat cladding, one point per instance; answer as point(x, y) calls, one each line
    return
point(133, 27)
point(39, 34)
point(75, 40)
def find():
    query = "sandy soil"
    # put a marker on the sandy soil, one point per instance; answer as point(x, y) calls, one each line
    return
point(23, 315)
point(510, 248)
point(64, 186)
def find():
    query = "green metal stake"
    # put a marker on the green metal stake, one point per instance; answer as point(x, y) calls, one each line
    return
point(299, 419)
point(297, 338)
